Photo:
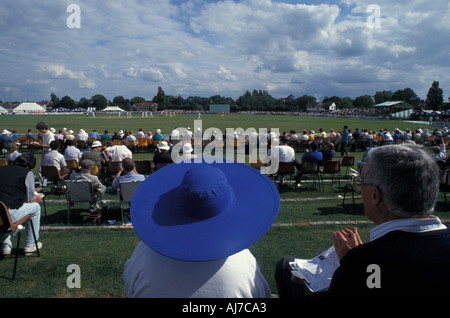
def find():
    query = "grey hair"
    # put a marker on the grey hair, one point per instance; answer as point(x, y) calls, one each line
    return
point(407, 177)
point(87, 165)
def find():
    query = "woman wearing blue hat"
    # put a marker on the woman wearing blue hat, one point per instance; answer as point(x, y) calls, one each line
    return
point(196, 227)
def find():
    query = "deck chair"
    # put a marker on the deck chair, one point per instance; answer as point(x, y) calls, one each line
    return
point(80, 191)
point(125, 192)
point(8, 226)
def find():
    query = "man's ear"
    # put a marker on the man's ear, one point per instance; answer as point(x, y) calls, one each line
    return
point(376, 196)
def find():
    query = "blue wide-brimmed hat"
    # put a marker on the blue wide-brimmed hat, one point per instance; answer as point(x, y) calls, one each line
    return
point(204, 211)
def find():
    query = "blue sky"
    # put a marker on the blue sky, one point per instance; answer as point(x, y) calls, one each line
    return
point(205, 48)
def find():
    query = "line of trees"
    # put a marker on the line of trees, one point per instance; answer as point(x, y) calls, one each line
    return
point(259, 100)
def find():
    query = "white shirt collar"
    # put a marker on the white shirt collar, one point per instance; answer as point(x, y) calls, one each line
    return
point(416, 225)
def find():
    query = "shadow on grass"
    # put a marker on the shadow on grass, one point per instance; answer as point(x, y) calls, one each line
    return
point(348, 208)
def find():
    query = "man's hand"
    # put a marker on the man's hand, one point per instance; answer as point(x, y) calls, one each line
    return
point(345, 240)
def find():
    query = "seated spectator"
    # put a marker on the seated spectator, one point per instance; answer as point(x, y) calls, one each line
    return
point(69, 136)
point(95, 154)
point(14, 135)
point(187, 153)
point(60, 136)
point(55, 158)
point(29, 135)
point(17, 192)
point(13, 154)
point(105, 136)
point(72, 152)
point(116, 136)
point(140, 133)
point(127, 172)
point(117, 153)
point(284, 153)
point(158, 136)
point(328, 152)
point(131, 138)
point(182, 230)
point(409, 246)
point(86, 168)
point(6, 139)
point(440, 153)
point(82, 135)
point(311, 155)
point(94, 134)
point(162, 156)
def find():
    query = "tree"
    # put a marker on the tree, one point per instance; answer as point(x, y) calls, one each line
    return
point(406, 95)
point(66, 102)
point(304, 100)
point(435, 96)
point(160, 98)
point(137, 99)
point(364, 101)
point(54, 100)
point(122, 102)
point(99, 102)
point(84, 102)
point(382, 96)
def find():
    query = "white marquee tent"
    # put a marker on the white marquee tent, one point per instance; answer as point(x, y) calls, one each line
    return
point(27, 108)
point(113, 109)
point(3, 110)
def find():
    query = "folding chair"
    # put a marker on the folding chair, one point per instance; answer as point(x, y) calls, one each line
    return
point(353, 185)
point(332, 168)
point(97, 170)
point(3, 162)
point(143, 167)
point(348, 161)
point(52, 173)
point(81, 144)
point(257, 164)
point(142, 144)
point(161, 165)
point(444, 183)
point(285, 169)
point(91, 140)
point(311, 169)
point(73, 165)
point(80, 191)
point(7, 226)
point(125, 192)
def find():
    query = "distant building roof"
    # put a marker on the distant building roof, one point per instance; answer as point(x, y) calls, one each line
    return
point(395, 104)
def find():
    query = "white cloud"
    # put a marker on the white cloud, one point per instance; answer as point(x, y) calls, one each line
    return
point(198, 47)
point(224, 73)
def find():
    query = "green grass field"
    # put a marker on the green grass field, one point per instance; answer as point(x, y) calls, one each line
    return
point(303, 227)
point(112, 122)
